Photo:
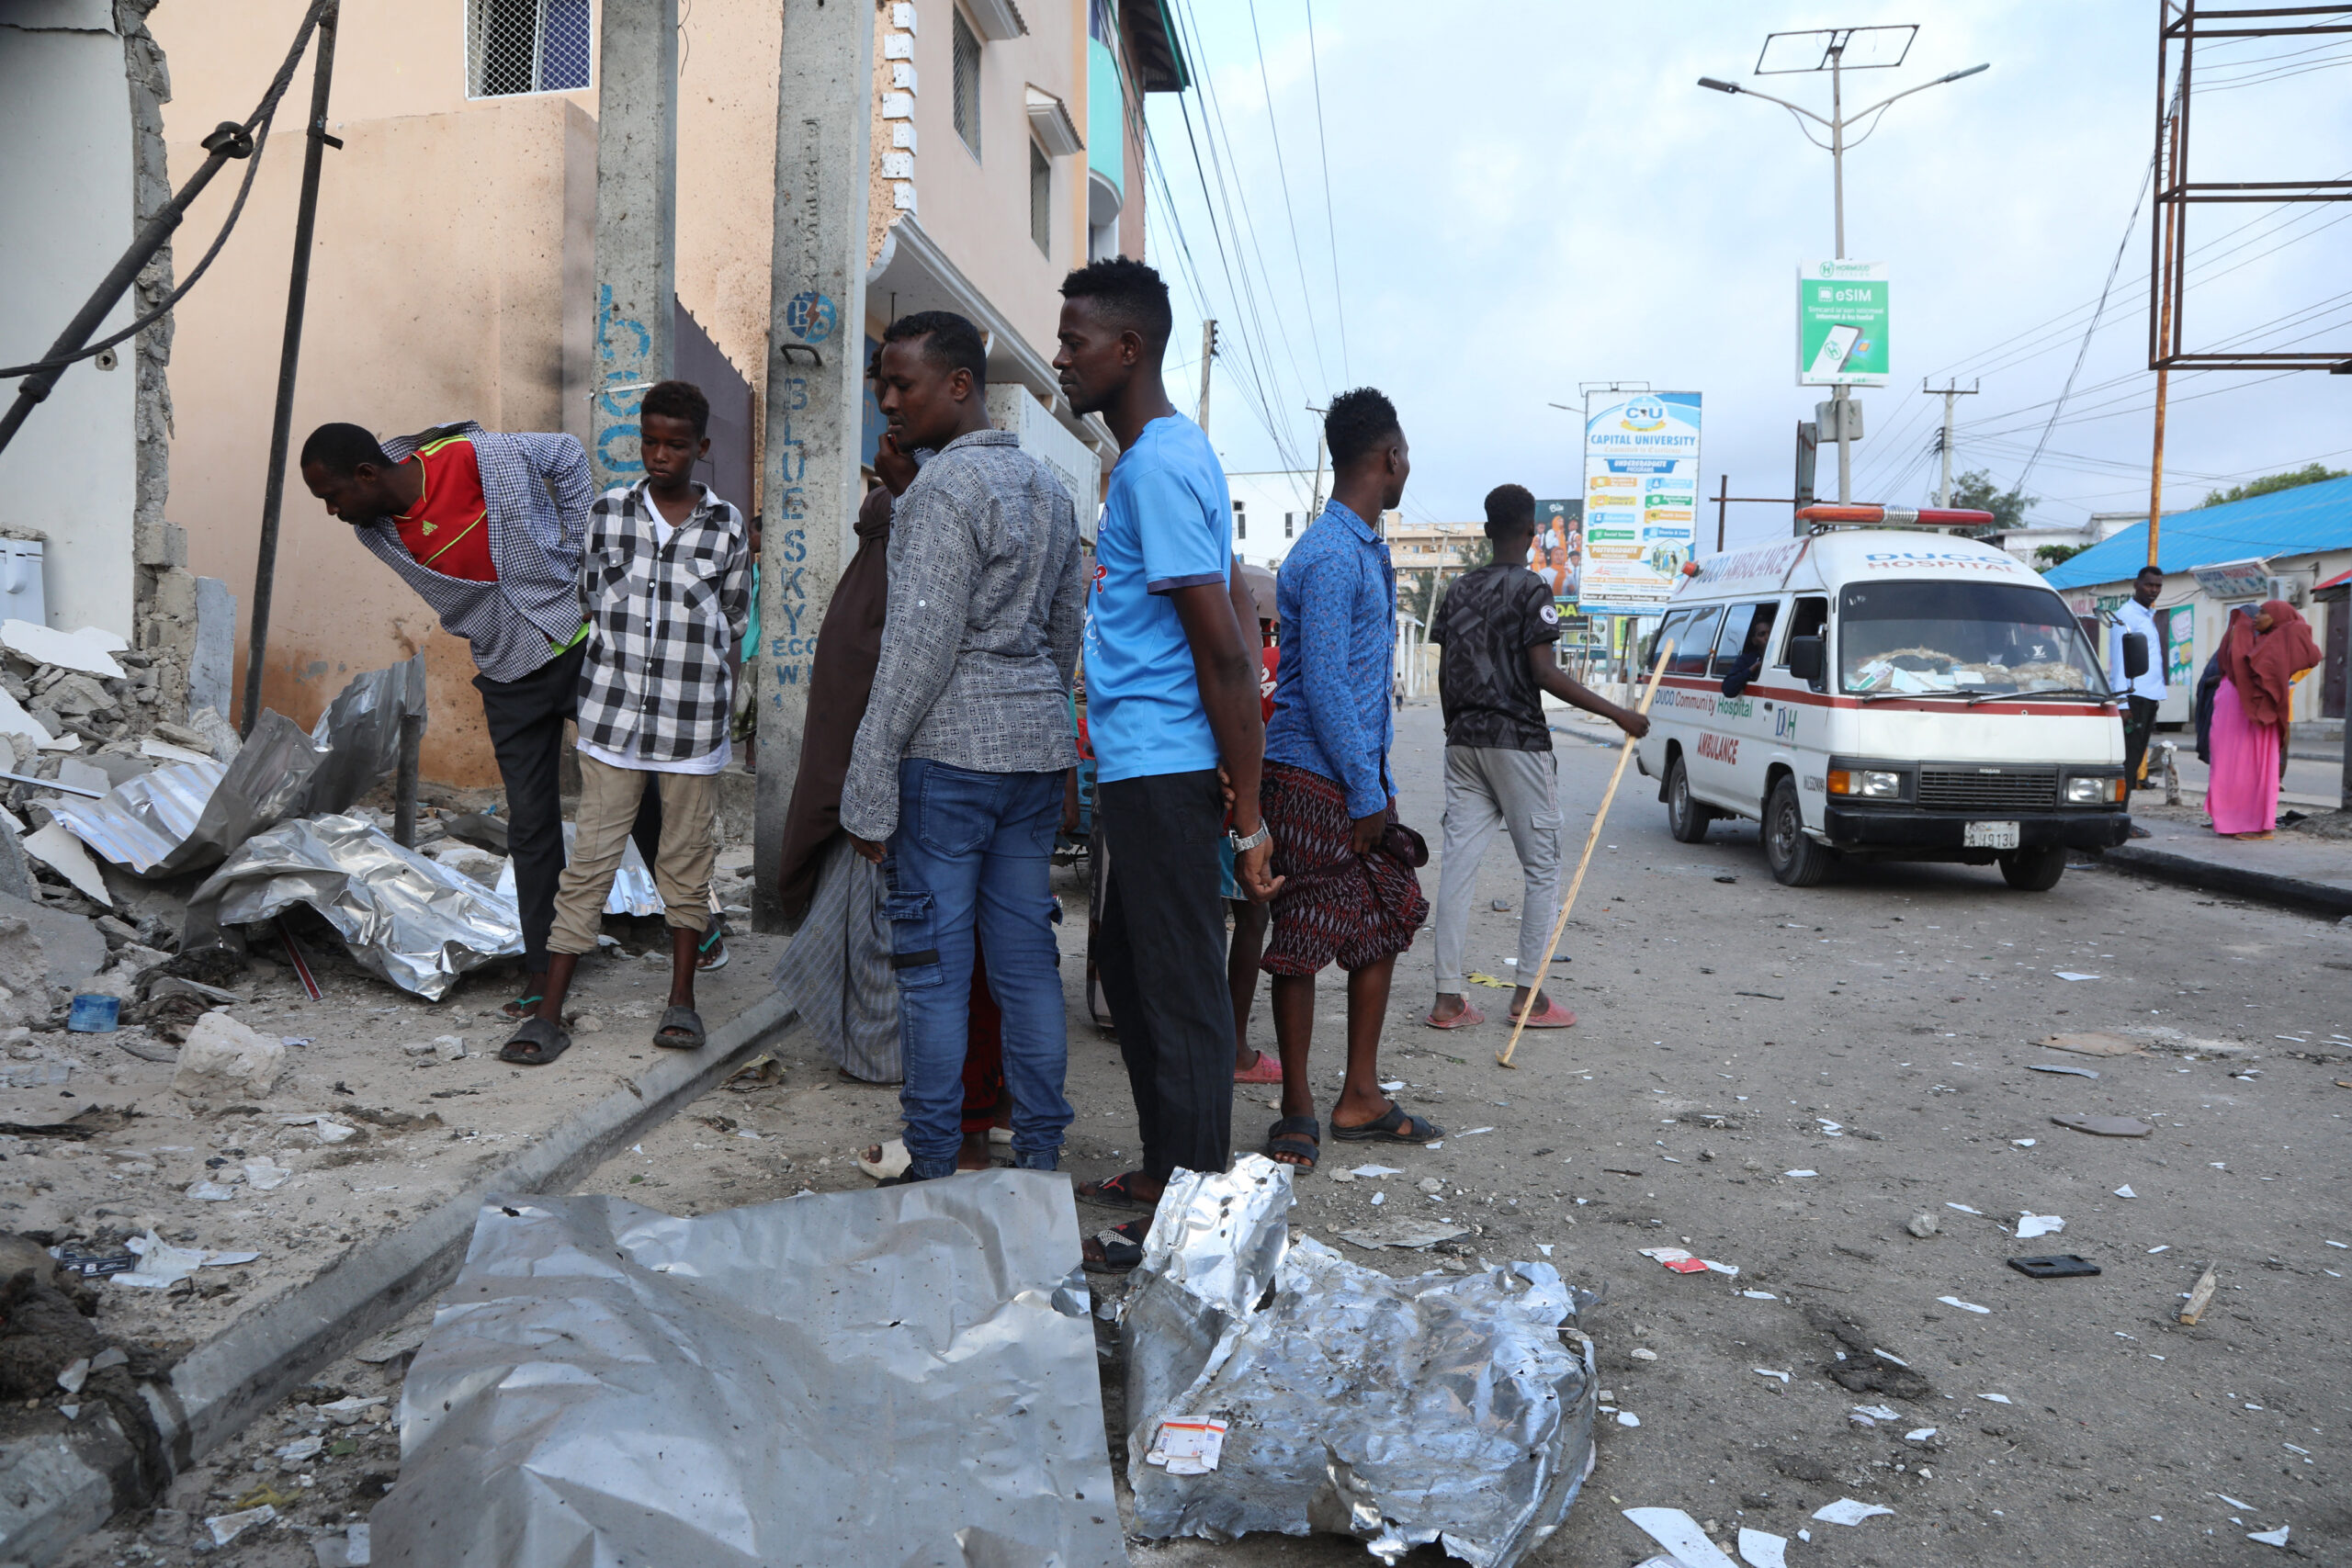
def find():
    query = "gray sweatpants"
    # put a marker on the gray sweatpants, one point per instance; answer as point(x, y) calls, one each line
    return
point(1485, 789)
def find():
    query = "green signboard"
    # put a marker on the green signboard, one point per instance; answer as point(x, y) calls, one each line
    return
point(1841, 324)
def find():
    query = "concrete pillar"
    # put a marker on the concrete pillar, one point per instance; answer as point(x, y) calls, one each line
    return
point(809, 487)
point(637, 225)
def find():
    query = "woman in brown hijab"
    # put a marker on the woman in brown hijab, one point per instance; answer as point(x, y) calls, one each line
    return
point(2261, 656)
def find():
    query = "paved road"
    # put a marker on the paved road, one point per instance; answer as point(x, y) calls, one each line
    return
point(1726, 1023)
point(1900, 1002)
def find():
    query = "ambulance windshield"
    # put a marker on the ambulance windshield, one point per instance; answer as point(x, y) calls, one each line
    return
point(1947, 638)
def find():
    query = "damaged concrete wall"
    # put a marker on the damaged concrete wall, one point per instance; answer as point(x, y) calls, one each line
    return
point(72, 476)
point(166, 597)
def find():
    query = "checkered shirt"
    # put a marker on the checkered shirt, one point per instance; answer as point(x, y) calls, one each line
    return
point(663, 622)
point(537, 493)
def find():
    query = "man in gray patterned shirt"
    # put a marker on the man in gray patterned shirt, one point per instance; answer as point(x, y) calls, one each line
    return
point(955, 783)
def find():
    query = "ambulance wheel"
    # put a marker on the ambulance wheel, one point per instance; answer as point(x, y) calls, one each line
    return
point(2034, 871)
point(1796, 859)
point(1685, 817)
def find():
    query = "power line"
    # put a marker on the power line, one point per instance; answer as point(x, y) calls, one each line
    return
point(2083, 352)
point(1290, 207)
point(1323, 147)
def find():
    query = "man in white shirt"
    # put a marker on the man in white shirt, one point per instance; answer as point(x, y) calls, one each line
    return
point(2148, 689)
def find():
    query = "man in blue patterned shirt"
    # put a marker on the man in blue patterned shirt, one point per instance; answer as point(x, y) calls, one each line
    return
point(486, 527)
point(1348, 888)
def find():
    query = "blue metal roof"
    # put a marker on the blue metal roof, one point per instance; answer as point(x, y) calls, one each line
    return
point(2284, 523)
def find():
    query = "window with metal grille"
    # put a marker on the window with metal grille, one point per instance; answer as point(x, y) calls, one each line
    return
point(1041, 199)
point(967, 84)
point(527, 45)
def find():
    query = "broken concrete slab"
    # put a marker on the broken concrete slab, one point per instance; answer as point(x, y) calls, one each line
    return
point(89, 650)
point(16, 871)
point(72, 948)
point(211, 663)
point(65, 854)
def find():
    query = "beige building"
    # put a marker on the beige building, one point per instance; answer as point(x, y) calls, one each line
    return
point(454, 270)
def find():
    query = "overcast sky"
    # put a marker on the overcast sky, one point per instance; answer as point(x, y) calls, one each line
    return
point(1531, 197)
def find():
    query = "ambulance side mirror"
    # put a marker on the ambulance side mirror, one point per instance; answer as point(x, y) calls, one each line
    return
point(1807, 658)
point(2135, 655)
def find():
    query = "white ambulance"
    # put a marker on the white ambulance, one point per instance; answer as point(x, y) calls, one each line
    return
point(1885, 692)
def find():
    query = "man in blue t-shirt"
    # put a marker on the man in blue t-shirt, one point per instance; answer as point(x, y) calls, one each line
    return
point(1171, 701)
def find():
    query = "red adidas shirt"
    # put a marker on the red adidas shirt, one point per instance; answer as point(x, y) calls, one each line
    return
point(447, 529)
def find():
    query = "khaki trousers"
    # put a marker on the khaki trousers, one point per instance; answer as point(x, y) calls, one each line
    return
point(608, 802)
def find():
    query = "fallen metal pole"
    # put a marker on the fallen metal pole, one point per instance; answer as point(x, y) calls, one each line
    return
point(404, 781)
point(298, 288)
point(1624, 752)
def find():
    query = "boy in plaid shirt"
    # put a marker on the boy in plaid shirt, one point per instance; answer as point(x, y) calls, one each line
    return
point(666, 575)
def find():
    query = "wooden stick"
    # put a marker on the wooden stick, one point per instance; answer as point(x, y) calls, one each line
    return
point(1625, 754)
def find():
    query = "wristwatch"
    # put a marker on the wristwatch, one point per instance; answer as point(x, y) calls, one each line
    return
point(1252, 841)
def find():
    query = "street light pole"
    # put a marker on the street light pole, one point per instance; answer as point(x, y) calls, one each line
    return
point(1835, 125)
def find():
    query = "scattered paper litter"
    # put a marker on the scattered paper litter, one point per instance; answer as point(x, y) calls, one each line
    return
point(1760, 1295)
point(1849, 1511)
point(1879, 1412)
point(1627, 1418)
point(1996, 1398)
point(1964, 1207)
point(2031, 1225)
point(1188, 1447)
point(1800, 1173)
point(1377, 1170)
point(1760, 1550)
point(1964, 1306)
point(2022, 1143)
point(2153, 1250)
point(1882, 1356)
point(1919, 1436)
point(1680, 1534)
point(2269, 1538)
point(1769, 1372)
point(2232, 1502)
point(2125, 1191)
point(1674, 1258)
point(2070, 974)
point(2059, 1067)
point(1473, 1131)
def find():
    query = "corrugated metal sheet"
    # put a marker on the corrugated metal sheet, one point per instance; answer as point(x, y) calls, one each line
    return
point(2284, 523)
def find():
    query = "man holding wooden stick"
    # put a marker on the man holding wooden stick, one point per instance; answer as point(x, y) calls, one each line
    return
point(1496, 629)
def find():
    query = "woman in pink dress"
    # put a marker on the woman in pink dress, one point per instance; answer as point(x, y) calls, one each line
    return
point(2260, 658)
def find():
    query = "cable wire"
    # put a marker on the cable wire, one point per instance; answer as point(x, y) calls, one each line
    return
point(256, 127)
point(1323, 146)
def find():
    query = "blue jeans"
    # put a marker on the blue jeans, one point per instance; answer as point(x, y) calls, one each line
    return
point(970, 858)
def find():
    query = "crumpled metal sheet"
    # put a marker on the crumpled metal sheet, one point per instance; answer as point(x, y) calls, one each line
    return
point(140, 821)
point(404, 916)
point(899, 1376)
point(160, 826)
point(1448, 1408)
point(633, 891)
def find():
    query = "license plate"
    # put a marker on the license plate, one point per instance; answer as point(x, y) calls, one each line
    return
point(1988, 835)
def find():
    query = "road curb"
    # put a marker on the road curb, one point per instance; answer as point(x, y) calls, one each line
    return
point(2269, 887)
point(222, 1384)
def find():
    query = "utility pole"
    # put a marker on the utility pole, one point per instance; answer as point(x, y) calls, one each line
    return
point(1833, 44)
point(637, 226)
point(1943, 445)
point(315, 141)
point(808, 480)
point(1315, 509)
point(2166, 285)
point(1209, 358)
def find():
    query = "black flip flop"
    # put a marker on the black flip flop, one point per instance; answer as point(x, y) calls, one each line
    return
point(536, 1045)
point(1296, 1135)
point(680, 1030)
point(1121, 1247)
point(1112, 1192)
point(1390, 1129)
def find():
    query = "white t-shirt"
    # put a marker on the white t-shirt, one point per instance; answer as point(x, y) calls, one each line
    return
point(2133, 616)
